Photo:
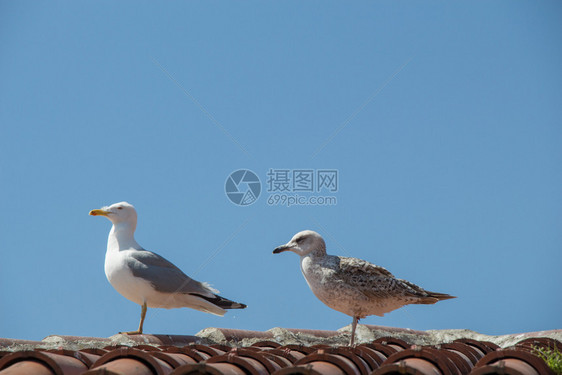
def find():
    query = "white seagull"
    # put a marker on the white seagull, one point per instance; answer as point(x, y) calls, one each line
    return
point(353, 286)
point(148, 279)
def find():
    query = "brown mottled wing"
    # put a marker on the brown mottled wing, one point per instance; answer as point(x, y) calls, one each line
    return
point(357, 267)
point(423, 296)
point(371, 280)
point(376, 282)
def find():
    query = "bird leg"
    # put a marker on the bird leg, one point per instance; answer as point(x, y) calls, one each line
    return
point(353, 326)
point(143, 315)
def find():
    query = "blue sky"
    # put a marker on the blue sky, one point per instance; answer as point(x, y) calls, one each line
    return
point(443, 120)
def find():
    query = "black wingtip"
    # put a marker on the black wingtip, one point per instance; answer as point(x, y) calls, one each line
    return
point(222, 302)
point(441, 296)
point(233, 305)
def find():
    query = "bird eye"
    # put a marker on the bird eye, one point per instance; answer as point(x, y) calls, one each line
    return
point(119, 208)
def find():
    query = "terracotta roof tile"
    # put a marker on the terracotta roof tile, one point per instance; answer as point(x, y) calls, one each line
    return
point(182, 355)
point(5, 343)
point(52, 363)
point(176, 340)
point(512, 360)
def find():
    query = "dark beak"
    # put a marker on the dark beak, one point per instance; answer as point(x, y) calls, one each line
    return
point(281, 248)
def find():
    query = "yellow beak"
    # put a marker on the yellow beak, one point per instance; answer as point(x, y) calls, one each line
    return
point(99, 212)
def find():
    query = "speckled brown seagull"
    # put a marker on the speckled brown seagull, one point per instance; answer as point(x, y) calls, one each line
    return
point(148, 279)
point(353, 286)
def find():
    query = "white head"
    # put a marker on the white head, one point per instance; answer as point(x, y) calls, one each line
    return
point(304, 243)
point(121, 212)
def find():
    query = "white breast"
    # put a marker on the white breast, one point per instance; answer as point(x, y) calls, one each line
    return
point(122, 279)
point(319, 279)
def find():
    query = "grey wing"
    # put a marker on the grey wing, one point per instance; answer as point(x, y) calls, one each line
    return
point(164, 276)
